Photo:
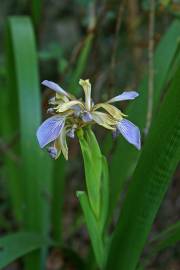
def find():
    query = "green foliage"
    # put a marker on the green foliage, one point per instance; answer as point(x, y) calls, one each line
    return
point(35, 185)
point(125, 157)
point(58, 187)
point(30, 181)
point(97, 181)
point(93, 228)
point(17, 245)
point(151, 179)
point(81, 62)
point(93, 168)
point(36, 7)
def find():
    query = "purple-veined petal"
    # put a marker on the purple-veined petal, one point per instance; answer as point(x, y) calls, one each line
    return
point(127, 95)
point(49, 130)
point(130, 132)
point(55, 87)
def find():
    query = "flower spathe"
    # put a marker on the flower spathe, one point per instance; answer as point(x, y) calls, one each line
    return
point(71, 114)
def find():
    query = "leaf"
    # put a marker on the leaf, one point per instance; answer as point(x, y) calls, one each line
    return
point(151, 179)
point(104, 195)
point(16, 245)
point(125, 156)
point(30, 179)
point(92, 226)
point(97, 181)
point(92, 164)
point(36, 10)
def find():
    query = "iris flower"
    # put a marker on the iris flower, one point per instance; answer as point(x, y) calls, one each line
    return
point(71, 114)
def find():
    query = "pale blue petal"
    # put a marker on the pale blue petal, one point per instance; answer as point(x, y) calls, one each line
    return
point(130, 132)
point(50, 130)
point(71, 133)
point(129, 95)
point(55, 87)
point(77, 110)
point(86, 117)
point(52, 152)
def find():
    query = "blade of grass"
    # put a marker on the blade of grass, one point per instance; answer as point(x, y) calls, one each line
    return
point(125, 154)
point(36, 9)
point(32, 177)
point(152, 177)
point(81, 63)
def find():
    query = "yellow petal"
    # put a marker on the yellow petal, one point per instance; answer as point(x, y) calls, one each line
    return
point(62, 142)
point(68, 105)
point(57, 145)
point(87, 90)
point(61, 97)
point(104, 119)
point(112, 110)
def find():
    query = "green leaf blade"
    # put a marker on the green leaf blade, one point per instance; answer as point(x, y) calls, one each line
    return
point(32, 176)
point(92, 164)
point(151, 179)
point(126, 156)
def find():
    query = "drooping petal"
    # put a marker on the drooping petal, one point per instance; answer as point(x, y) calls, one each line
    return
point(50, 130)
point(87, 90)
point(112, 110)
point(130, 132)
point(69, 105)
point(55, 87)
point(127, 95)
point(103, 119)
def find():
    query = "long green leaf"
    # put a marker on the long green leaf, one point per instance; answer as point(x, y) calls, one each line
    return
point(125, 156)
point(93, 164)
point(32, 177)
point(94, 232)
point(151, 179)
point(36, 9)
point(14, 246)
point(104, 195)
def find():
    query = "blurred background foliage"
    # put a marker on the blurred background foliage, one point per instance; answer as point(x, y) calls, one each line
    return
point(63, 41)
